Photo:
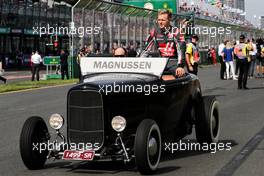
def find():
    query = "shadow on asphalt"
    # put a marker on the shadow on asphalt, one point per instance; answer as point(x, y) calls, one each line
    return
point(95, 167)
point(255, 88)
point(166, 169)
point(210, 90)
point(57, 164)
point(114, 167)
point(219, 95)
point(104, 167)
point(110, 167)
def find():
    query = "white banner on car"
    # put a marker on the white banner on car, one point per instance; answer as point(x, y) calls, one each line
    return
point(154, 66)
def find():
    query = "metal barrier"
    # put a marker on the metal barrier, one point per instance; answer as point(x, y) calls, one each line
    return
point(125, 24)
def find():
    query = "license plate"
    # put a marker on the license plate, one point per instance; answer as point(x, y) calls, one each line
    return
point(78, 155)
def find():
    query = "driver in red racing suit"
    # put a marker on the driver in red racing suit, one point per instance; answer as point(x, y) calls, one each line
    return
point(165, 39)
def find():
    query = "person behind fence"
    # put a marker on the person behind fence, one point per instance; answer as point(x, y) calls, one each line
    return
point(120, 52)
point(2, 73)
point(213, 52)
point(209, 56)
point(36, 61)
point(31, 59)
point(64, 64)
point(165, 40)
point(192, 55)
point(131, 52)
point(78, 61)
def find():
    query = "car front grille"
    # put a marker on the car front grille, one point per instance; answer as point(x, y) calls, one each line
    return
point(85, 117)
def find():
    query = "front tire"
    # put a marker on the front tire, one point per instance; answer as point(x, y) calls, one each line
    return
point(147, 146)
point(34, 133)
point(207, 120)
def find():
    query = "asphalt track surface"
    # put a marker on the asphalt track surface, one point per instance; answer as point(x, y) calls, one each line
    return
point(242, 126)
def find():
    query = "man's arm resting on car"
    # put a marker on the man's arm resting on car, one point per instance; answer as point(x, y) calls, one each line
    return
point(179, 72)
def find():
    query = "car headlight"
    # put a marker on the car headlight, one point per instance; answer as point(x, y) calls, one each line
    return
point(56, 121)
point(118, 123)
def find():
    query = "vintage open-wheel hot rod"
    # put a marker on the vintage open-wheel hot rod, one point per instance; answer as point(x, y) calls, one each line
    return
point(123, 110)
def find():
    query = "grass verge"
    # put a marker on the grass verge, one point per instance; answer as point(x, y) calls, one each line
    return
point(23, 85)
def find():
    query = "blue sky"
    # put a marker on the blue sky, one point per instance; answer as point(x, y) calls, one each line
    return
point(254, 7)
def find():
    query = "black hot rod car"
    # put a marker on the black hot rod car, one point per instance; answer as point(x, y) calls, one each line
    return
point(123, 110)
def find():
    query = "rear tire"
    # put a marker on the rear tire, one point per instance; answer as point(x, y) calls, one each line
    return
point(34, 131)
point(147, 146)
point(207, 120)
